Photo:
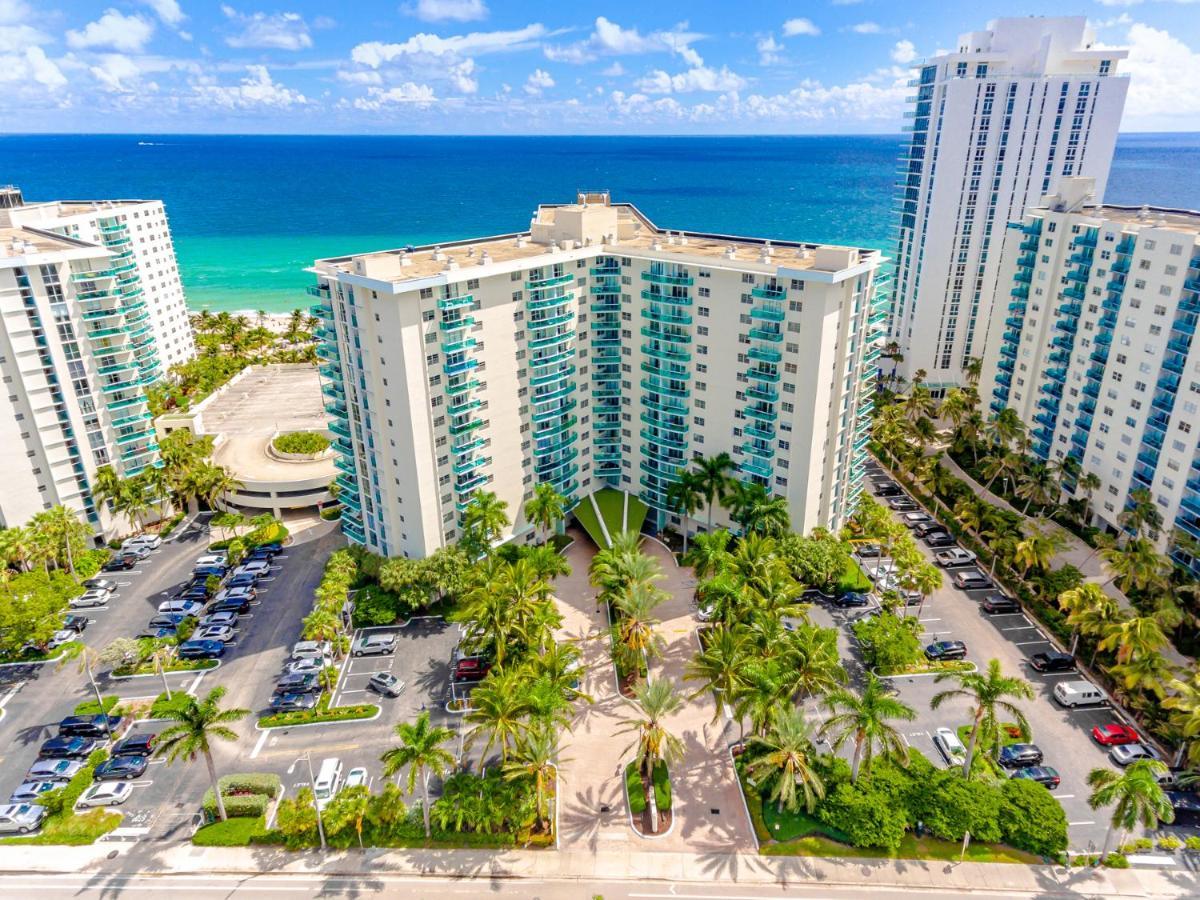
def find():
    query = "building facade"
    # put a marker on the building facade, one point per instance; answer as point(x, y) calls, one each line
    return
point(77, 351)
point(594, 349)
point(137, 233)
point(995, 125)
point(1095, 347)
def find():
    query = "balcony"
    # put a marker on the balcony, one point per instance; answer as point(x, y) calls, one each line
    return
point(534, 304)
point(769, 292)
point(672, 389)
point(458, 388)
point(765, 354)
point(551, 321)
point(463, 407)
point(762, 392)
point(550, 359)
point(667, 316)
point(546, 415)
point(758, 450)
point(340, 429)
point(457, 428)
point(549, 282)
point(461, 448)
point(764, 334)
point(456, 324)
point(459, 346)
point(463, 466)
point(768, 314)
point(761, 414)
point(554, 394)
point(672, 299)
point(1021, 291)
point(674, 424)
point(470, 483)
point(756, 467)
point(459, 366)
point(599, 271)
point(554, 428)
point(681, 356)
point(669, 335)
point(562, 373)
point(762, 373)
point(551, 340)
point(661, 278)
point(449, 303)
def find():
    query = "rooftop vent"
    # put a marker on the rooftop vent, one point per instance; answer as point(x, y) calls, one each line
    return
point(438, 254)
point(485, 258)
point(730, 252)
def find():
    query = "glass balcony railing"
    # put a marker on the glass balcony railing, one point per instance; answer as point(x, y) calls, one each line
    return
point(768, 314)
point(764, 334)
point(765, 354)
point(549, 281)
point(663, 278)
point(672, 299)
point(666, 354)
point(449, 303)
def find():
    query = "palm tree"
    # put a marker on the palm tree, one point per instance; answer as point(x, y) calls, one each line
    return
point(1037, 484)
point(1137, 565)
point(486, 518)
point(499, 707)
point(712, 479)
point(1037, 549)
point(1132, 638)
point(709, 553)
point(197, 724)
point(1089, 483)
point(1135, 795)
point(106, 484)
point(349, 809)
point(1141, 514)
point(545, 508)
point(757, 511)
point(1083, 603)
point(1184, 703)
point(652, 703)
point(1001, 464)
point(987, 692)
point(635, 627)
point(866, 719)
point(1005, 428)
point(422, 751)
point(16, 547)
point(718, 666)
point(973, 369)
point(785, 757)
point(535, 757)
point(685, 497)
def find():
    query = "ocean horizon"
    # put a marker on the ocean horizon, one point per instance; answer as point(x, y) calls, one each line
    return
point(248, 213)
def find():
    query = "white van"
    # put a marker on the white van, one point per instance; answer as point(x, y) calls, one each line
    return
point(329, 781)
point(1078, 693)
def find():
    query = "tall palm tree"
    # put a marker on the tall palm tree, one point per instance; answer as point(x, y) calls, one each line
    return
point(536, 757)
point(973, 369)
point(685, 497)
point(1184, 703)
point(1037, 484)
point(1037, 549)
point(709, 553)
point(1000, 464)
point(499, 708)
point(1087, 604)
point(486, 517)
point(784, 756)
point(1089, 483)
point(635, 627)
point(421, 750)
point(1141, 515)
point(1005, 428)
point(866, 719)
point(1137, 565)
point(197, 724)
point(106, 484)
point(713, 479)
point(758, 512)
point(1135, 795)
point(1134, 637)
point(718, 666)
point(545, 508)
point(653, 702)
point(988, 692)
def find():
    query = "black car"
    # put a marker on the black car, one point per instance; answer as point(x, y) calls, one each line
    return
point(64, 747)
point(135, 745)
point(267, 550)
point(121, 563)
point(97, 726)
point(1020, 756)
point(887, 493)
point(299, 683)
point(205, 571)
point(75, 623)
point(158, 634)
point(120, 767)
point(198, 649)
point(940, 650)
point(100, 584)
point(1052, 662)
point(167, 620)
point(939, 540)
point(868, 551)
point(1186, 806)
point(999, 603)
point(243, 579)
point(851, 600)
point(1046, 775)
point(289, 702)
point(925, 528)
point(239, 605)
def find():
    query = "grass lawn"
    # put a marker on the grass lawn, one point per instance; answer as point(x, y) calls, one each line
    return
point(236, 832)
point(73, 829)
point(853, 579)
point(637, 513)
point(662, 787)
point(612, 508)
point(586, 517)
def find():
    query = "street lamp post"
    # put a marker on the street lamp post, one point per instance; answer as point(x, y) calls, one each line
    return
point(312, 781)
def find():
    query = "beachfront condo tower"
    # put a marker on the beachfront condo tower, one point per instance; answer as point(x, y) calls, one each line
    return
point(594, 349)
point(993, 126)
point(1095, 348)
point(78, 347)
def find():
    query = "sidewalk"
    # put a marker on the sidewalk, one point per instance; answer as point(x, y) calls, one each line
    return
point(637, 865)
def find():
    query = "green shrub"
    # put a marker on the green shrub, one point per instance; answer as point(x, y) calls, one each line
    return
point(266, 783)
point(1192, 842)
point(637, 796)
point(321, 713)
point(92, 708)
point(375, 606)
point(89, 563)
point(1137, 845)
point(331, 513)
point(231, 833)
point(864, 816)
point(236, 805)
point(1116, 861)
point(301, 442)
point(1031, 819)
point(889, 642)
point(1169, 842)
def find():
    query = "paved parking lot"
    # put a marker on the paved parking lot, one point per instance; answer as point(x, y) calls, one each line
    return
point(1064, 735)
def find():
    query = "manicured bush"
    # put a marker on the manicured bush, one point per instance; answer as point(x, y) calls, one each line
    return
point(1031, 819)
point(637, 796)
point(89, 563)
point(864, 816)
point(331, 513)
point(236, 805)
point(1192, 842)
point(1169, 842)
point(267, 783)
point(1116, 861)
point(301, 442)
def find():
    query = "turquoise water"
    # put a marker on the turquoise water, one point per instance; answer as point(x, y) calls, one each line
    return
point(248, 213)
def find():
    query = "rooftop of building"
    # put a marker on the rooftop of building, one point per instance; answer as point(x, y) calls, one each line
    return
point(592, 221)
point(16, 243)
point(1185, 220)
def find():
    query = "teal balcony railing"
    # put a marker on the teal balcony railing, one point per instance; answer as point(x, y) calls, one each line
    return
point(769, 292)
point(662, 278)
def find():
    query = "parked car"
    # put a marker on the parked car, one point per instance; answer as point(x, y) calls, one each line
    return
point(122, 562)
point(955, 558)
point(60, 637)
point(222, 633)
point(212, 558)
point(270, 549)
point(121, 767)
point(386, 684)
point(256, 567)
point(152, 541)
point(851, 600)
point(183, 607)
point(105, 793)
point(67, 747)
point(240, 594)
point(312, 650)
point(903, 504)
point(1020, 756)
point(21, 818)
point(471, 668)
point(76, 623)
point(167, 620)
point(356, 777)
point(1046, 775)
point(229, 619)
point(1124, 754)
point(210, 569)
point(93, 726)
point(1115, 734)
point(291, 702)
point(89, 600)
point(135, 745)
point(241, 581)
point(30, 791)
point(239, 605)
point(924, 528)
point(996, 604)
point(868, 551)
point(307, 665)
point(1072, 694)
point(60, 770)
point(1186, 807)
point(936, 540)
point(376, 644)
point(941, 650)
point(913, 519)
point(138, 551)
point(1052, 661)
point(198, 649)
point(260, 553)
point(100, 584)
point(299, 683)
point(972, 580)
point(193, 593)
point(157, 634)
point(950, 747)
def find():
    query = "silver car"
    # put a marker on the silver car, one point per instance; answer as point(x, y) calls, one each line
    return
point(21, 818)
point(375, 644)
point(89, 600)
point(1126, 754)
point(221, 633)
point(54, 769)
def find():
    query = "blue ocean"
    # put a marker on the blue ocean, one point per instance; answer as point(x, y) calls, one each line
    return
point(248, 213)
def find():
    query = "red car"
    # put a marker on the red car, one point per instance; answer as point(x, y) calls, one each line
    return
point(1114, 734)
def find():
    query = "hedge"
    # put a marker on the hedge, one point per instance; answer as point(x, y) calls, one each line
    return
point(322, 713)
point(301, 442)
point(148, 667)
point(266, 783)
point(240, 806)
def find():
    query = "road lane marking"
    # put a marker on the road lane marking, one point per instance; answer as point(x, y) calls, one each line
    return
point(262, 739)
point(1063, 796)
point(1090, 822)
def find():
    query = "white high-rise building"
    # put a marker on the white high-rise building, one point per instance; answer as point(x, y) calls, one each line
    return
point(1095, 347)
point(595, 349)
point(77, 351)
point(138, 233)
point(995, 125)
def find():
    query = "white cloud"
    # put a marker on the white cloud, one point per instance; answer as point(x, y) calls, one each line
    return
point(166, 10)
point(867, 28)
point(257, 89)
point(33, 65)
point(1164, 75)
point(274, 31)
point(15, 38)
point(376, 53)
point(701, 78)
point(614, 71)
point(114, 30)
point(448, 10)
point(904, 52)
point(768, 50)
point(793, 27)
point(116, 73)
point(538, 81)
point(14, 11)
point(461, 76)
point(420, 95)
point(610, 39)
point(362, 76)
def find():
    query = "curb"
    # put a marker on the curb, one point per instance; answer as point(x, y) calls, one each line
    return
point(35, 662)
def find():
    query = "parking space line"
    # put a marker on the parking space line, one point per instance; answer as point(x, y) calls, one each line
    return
point(1019, 628)
point(1042, 640)
point(1090, 822)
point(930, 620)
point(346, 691)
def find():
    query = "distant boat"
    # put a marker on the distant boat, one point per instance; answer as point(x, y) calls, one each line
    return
point(149, 144)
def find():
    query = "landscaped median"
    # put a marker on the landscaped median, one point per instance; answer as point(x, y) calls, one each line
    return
point(321, 714)
point(149, 667)
point(638, 792)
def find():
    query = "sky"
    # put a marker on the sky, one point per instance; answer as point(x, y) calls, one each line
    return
point(529, 67)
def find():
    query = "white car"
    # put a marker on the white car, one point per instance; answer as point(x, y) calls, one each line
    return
point(951, 748)
point(258, 568)
point(186, 607)
point(221, 633)
point(307, 665)
point(229, 619)
point(149, 541)
point(62, 636)
point(355, 778)
point(89, 600)
point(315, 650)
point(880, 569)
point(211, 559)
point(954, 557)
point(141, 551)
point(105, 793)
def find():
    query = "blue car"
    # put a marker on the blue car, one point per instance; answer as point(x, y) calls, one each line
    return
point(67, 748)
point(120, 767)
point(200, 649)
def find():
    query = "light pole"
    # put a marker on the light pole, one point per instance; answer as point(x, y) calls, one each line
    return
point(312, 781)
